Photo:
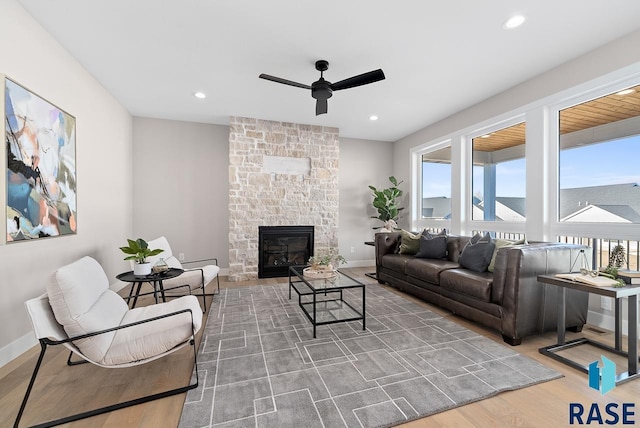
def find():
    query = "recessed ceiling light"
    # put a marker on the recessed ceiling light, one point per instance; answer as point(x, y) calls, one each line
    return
point(200, 95)
point(485, 136)
point(513, 22)
point(373, 117)
point(626, 91)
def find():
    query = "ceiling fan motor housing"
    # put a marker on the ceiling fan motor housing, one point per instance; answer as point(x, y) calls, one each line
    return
point(321, 90)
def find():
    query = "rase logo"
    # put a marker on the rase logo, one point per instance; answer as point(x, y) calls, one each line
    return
point(607, 375)
point(603, 380)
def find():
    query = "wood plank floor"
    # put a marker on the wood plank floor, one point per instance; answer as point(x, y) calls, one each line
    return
point(61, 390)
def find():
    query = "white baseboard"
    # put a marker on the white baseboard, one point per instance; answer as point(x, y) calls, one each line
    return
point(17, 348)
point(360, 263)
point(606, 322)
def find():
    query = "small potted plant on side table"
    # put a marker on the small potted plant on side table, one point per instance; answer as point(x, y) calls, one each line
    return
point(138, 250)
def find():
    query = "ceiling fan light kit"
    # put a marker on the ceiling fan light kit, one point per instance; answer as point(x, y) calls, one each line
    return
point(322, 90)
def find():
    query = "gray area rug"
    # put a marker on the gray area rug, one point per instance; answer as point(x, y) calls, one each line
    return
point(260, 366)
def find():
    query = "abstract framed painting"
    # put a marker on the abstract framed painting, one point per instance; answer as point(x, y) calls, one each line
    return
point(40, 160)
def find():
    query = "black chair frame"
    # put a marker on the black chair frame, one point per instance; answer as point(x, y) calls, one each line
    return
point(204, 295)
point(44, 342)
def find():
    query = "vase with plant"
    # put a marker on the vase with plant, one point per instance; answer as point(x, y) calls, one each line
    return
point(617, 258)
point(385, 201)
point(138, 250)
point(325, 265)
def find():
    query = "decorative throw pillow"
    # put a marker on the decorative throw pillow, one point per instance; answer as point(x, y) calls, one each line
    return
point(503, 243)
point(476, 255)
point(433, 246)
point(409, 242)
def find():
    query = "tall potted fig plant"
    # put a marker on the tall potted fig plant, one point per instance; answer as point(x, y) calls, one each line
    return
point(385, 201)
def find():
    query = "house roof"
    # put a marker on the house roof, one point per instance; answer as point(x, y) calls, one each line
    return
point(574, 199)
point(515, 204)
point(441, 206)
point(605, 214)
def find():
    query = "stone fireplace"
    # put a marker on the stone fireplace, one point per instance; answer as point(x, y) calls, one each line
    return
point(280, 174)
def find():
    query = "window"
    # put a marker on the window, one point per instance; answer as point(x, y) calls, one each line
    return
point(598, 160)
point(499, 175)
point(436, 184)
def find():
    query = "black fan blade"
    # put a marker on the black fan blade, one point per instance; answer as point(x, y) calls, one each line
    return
point(321, 106)
point(284, 81)
point(359, 80)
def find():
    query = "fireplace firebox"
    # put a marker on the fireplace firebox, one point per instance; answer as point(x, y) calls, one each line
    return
point(282, 246)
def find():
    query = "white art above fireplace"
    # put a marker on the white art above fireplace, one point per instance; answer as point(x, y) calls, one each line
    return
point(286, 165)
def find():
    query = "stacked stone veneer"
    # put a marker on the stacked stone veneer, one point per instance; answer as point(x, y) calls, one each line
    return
point(258, 197)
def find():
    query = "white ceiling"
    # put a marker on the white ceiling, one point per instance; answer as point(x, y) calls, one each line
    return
point(438, 57)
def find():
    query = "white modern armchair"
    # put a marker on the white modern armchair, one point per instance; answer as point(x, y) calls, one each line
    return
point(80, 312)
point(196, 278)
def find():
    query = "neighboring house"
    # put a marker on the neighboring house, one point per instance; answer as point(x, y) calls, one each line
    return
point(616, 203)
point(611, 198)
point(438, 207)
point(604, 214)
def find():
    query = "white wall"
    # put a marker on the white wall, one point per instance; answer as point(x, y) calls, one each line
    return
point(181, 186)
point(34, 59)
point(362, 163)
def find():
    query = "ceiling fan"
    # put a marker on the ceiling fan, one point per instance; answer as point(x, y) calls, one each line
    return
point(322, 89)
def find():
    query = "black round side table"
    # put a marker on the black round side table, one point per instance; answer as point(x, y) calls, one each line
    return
point(154, 278)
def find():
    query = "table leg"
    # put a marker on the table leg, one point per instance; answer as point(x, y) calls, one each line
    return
point(633, 334)
point(562, 296)
point(618, 324)
point(133, 285)
point(314, 314)
point(364, 323)
point(154, 284)
point(161, 286)
point(135, 299)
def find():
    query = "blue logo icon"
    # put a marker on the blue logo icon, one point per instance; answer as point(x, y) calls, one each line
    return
point(603, 380)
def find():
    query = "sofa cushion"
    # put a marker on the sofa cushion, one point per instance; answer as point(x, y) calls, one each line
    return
point(455, 245)
point(428, 269)
point(409, 242)
point(433, 246)
point(476, 255)
point(474, 284)
point(396, 262)
point(503, 243)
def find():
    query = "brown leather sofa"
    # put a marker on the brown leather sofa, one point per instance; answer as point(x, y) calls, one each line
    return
point(509, 299)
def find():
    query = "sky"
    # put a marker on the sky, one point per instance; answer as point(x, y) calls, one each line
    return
point(612, 162)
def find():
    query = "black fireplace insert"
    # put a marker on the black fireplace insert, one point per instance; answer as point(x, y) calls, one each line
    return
point(282, 246)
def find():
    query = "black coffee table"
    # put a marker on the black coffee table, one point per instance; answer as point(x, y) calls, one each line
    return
point(154, 278)
point(323, 301)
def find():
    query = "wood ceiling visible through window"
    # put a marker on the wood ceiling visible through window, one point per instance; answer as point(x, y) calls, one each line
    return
point(603, 110)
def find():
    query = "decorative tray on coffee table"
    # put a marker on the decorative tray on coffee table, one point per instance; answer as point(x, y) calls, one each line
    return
point(319, 273)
